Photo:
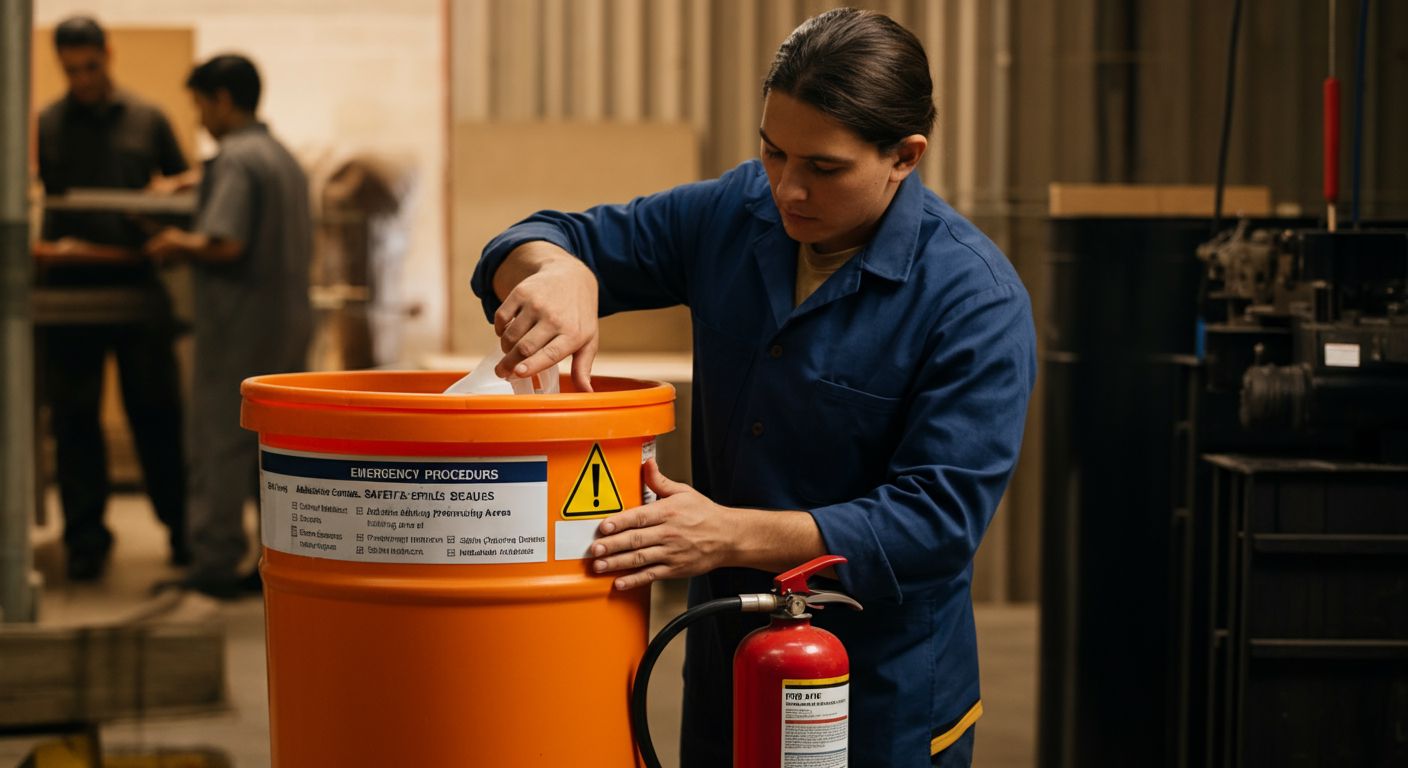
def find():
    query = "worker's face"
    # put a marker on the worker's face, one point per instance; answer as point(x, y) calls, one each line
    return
point(214, 111)
point(86, 69)
point(830, 185)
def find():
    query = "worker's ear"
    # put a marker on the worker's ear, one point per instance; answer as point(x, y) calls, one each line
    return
point(224, 102)
point(906, 156)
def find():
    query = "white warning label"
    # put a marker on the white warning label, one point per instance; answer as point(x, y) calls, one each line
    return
point(465, 511)
point(1342, 355)
point(815, 722)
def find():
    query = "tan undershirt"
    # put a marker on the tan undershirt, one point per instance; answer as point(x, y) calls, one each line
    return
point(813, 268)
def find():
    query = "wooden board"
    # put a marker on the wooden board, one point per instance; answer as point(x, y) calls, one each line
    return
point(1155, 200)
point(96, 674)
point(503, 172)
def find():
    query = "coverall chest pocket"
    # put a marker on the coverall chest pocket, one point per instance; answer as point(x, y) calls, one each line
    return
point(853, 435)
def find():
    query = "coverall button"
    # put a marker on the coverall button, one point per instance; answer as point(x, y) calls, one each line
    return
point(757, 429)
point(776, 350)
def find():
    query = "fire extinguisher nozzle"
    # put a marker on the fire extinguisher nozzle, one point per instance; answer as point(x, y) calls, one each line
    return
point(763, 602)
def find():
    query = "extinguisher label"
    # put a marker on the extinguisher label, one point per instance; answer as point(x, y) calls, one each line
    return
point(815, 722)
point(394, 509)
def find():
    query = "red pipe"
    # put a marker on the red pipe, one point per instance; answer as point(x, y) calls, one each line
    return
point(1332, 140)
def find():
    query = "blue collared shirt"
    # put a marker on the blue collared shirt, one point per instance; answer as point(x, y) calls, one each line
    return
point(890, 405)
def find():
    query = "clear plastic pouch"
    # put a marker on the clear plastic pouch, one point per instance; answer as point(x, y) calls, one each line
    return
point(483, 381)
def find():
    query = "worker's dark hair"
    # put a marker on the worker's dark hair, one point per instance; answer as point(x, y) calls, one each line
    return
point(79, 32)
point(229, 72)
point(861, 68)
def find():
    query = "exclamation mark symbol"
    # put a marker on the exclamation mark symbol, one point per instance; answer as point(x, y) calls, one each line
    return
point(596, 485)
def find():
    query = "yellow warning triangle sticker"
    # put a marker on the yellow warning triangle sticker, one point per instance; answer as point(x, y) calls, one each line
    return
point(595, 493)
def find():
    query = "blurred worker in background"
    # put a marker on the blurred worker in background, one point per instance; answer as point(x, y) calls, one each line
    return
point(863, 357)
point(250, 250)
point(98, 135)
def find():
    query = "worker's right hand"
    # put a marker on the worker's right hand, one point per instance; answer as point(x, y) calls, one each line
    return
point(72, 250)
point(170, 185)
point(548, 314)
point(167, 246)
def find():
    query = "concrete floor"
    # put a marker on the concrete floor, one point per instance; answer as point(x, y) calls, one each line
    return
point(1007, 645)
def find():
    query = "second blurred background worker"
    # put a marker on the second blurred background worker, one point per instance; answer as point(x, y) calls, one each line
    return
point(250, 248)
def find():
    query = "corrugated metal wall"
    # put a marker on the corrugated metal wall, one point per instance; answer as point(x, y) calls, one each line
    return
point(1131, 92)
point(702, 62)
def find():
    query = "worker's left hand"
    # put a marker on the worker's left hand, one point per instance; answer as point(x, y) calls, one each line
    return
point(680, 534)
point(167, 245)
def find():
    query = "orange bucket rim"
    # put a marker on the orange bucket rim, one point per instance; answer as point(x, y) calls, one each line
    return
point(313, 389)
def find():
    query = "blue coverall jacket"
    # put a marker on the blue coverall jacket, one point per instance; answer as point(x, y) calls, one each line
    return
point(890, 405)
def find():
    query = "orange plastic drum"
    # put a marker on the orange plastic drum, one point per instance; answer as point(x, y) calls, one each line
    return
point(426, 589)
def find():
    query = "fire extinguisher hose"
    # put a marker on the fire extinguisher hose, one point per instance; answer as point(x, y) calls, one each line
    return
point(639, 720)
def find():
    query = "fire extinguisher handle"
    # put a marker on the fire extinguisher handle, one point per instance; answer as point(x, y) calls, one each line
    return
point(795, 581)
point(823, 597)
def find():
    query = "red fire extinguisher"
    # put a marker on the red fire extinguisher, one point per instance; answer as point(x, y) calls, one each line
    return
point(791, 680)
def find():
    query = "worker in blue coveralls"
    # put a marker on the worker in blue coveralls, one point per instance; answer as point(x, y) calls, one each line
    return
point(863, 358)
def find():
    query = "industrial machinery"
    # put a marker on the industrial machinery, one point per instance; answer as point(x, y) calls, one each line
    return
point(1310, 329)
point(1294, 635)
point(1225, 530)
point(791, 680)
point(1226, 511)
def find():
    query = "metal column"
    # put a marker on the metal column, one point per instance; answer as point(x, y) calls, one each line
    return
point(17, 602)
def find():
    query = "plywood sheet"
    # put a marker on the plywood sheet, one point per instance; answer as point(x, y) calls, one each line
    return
point(100, 673)
point(503, 172)
point(152, 62)
point(1155, 200)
